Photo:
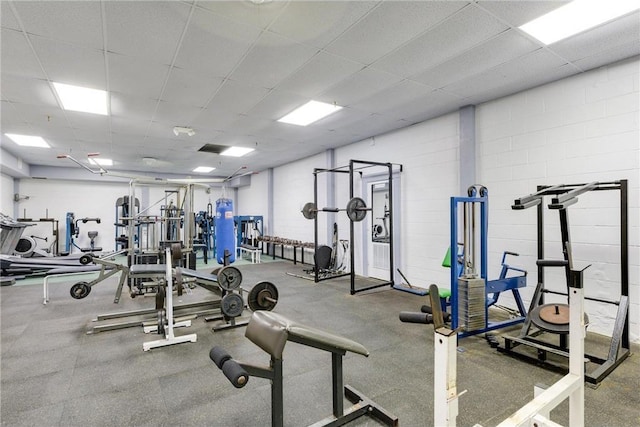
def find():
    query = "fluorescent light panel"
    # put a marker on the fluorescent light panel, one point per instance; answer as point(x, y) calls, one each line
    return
point(236, 151)
point(203, 169)
point(310, 112)
point(576, 17)
point(76, 98)
point(28, 140)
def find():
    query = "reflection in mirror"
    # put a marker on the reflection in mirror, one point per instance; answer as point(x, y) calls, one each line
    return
point(380, 212)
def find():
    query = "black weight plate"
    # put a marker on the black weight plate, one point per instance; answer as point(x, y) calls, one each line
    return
point(162, 318)
point(310, 210)
point(229, 278)
point(85, 259)
point(80, 290)
point(263, 296)
point(356, 209)
point(232, 305)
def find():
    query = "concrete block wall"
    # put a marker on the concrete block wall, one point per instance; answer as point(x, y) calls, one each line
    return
point(577, 130)
point(6, 195)
point(428, 152)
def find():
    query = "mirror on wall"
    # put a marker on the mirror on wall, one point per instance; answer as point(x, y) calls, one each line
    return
point(380, 212)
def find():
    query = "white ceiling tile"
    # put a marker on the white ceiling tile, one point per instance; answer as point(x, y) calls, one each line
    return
point(75, 22)
point(88, 64)
point(272, 59)
point(394, 97)
point(466, 29)
point(126, 106)
point(323, 71)
point(317, 23)
point(29, 91)
point(186, 88)
point(236, 97)
point(176, 114)
point(277, 104)
point(7, 18)
point(213, 45)
point(609, 56)
point(625, 30)
point(88, 121)
point(131, 75)
point(389, 26)
point(363, 84)
point(17, 56)
point(127, 126)
point(145, 29)
point(502, 48)
point(211, 120)
point(517, 13)
point(246, 12)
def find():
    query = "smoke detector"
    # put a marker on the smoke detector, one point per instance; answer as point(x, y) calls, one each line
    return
point(177, 130)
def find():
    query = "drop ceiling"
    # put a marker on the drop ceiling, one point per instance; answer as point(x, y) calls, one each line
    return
point(230, 69)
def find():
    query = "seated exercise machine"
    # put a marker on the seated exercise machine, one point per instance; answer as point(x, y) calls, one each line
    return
point(471, 292)
point(537, 411)
point(546, 320)
point(271, 331)
point(73, 232)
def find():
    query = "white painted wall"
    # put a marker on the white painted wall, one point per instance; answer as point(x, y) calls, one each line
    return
point(577, 130)
point(6, 195)
point(253, 199)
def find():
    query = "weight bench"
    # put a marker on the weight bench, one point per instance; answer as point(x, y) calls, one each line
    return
point(253, 252)
point(270, 332)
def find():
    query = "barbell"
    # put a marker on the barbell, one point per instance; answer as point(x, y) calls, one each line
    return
point(356, 209)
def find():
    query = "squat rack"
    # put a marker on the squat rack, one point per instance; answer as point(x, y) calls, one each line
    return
point(563, 196)
point(356, 166)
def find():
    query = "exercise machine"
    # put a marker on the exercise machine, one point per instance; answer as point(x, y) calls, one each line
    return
point(72, 232)
point(542, 320)
point(537, 411)
point(271, 331)
point(471, 292)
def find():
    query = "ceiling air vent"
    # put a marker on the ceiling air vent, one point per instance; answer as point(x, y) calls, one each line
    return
point(212, 148)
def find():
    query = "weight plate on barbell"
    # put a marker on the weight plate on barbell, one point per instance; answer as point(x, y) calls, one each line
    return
point(232, 305)
point(356, 209)
point(229, 278)
point(309, 210)
point(80, 290)
point(162, 321)
point(263, 296)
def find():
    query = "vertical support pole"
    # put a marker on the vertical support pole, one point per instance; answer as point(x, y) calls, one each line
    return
point(624, 255)
point(577, 334)
point(337, 384)
point(315, 227)
point(168, 332)
point(269, 204)
point(391, 245)
point(352, 235)
point(453, 247)
point(484, 249)
point(277, 405)
point(445, 393)
point(540, 223)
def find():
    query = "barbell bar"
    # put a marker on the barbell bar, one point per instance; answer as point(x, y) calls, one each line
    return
point(356, 209)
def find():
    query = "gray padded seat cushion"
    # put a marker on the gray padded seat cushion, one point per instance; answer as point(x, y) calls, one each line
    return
point(142, 269)
point(270, 331)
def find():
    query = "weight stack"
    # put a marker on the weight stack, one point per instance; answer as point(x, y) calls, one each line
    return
point(471, 303)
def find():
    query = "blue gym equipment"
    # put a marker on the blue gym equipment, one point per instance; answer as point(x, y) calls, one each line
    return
point(225, 237)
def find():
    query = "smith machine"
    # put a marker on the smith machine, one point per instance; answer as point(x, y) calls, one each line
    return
point(553, 318)
point(356, 210)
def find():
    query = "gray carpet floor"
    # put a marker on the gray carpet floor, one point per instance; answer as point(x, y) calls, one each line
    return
point(54, 374)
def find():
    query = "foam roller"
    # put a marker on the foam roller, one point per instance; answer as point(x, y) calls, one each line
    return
point(445, 316)
point(235, 373)
point(219, 356)
point(412, 317)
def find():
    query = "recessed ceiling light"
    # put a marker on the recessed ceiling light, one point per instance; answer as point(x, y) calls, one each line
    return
point(310, 112)
point(28, 140)
point(76, 98)
point(203, 169)
point(101, 161)
point(236, 151)
point(575, 17)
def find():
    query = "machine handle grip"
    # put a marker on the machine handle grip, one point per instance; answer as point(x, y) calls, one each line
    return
point(427, 309)
point(413, 317)
point(552, 262)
